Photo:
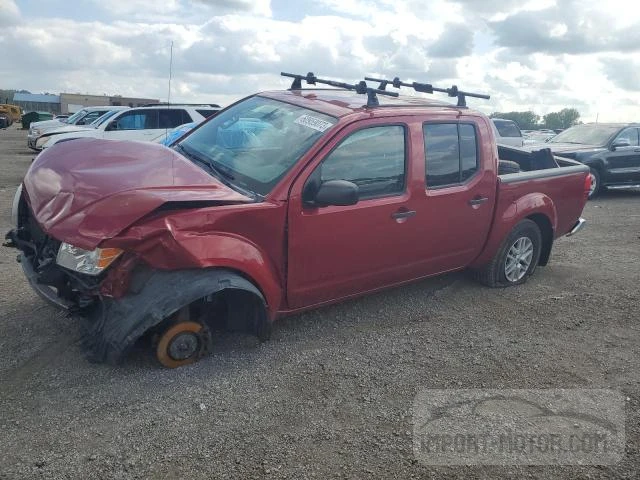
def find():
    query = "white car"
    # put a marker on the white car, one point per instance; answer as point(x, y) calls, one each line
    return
point(140, 123)
point(507, 132)
point(82, 118)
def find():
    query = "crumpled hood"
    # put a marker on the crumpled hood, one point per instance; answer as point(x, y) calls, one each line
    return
point(47, 124)
point(55, 130)
point(87, 190)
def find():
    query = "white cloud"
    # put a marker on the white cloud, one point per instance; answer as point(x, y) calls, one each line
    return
point(527, 55)
point(9, 13)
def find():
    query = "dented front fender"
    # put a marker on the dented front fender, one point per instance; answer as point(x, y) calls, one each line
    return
point(114, 325)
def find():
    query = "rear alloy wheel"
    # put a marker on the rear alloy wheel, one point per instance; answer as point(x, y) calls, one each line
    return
point(183, 343)
point(596, 183)
point(517, 258)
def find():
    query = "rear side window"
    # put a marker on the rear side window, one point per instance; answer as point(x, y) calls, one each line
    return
point(173, 117)
point(451, 153)
point(507, 129)
point(372, 158)
point(206, 113)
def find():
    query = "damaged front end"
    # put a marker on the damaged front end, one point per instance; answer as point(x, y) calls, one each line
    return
point(118, 304)
point(38, 257)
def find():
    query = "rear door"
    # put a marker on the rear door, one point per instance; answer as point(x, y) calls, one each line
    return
point(337, 251)
point(624, 162)
point(460, 183)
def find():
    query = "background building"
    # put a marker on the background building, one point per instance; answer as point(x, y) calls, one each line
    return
point(72, 102)
point(32, 102)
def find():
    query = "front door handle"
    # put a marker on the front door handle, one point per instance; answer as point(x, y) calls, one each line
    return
point(403, 214)
point(478, 201)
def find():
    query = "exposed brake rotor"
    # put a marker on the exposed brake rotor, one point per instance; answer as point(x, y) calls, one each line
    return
point(183, 343)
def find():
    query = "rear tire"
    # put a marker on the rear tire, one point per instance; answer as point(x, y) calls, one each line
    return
point(596, 183)
point(517, 258)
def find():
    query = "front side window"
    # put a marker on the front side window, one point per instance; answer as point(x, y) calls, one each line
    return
point(630, 135)
point(254, 143)
point(372, 158)
point(137, 120)
point(451, 153)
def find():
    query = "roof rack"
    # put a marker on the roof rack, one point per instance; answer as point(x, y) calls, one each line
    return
point(360, 87)
point(214, 105)
point(428, 88)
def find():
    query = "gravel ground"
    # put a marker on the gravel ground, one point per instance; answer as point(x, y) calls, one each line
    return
point(330, 395)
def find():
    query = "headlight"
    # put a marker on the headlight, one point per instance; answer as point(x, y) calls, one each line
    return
point(41, 142)
point(35, 131)
point(84, 261)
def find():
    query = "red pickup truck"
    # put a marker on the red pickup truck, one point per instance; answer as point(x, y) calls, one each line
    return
point(284, 201)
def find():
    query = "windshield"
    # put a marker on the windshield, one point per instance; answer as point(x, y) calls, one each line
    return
point(76, 116)
point(100, 120)
point(586, 135)
point(507, 128)
point(255, 142)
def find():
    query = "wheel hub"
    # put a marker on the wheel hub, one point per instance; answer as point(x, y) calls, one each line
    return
point(594, 183)
point(518, 259)
point(183, 343)
point(183, 346)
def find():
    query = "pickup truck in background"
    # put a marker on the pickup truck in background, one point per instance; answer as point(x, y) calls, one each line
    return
point(610, 150)
point(507, 132)
point(284, 201)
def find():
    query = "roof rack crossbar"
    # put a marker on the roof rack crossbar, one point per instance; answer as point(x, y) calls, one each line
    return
point(213, 105)
point(360, 87)
point(428, 88)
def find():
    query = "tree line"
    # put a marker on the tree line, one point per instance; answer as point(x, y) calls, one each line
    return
point(565, 118)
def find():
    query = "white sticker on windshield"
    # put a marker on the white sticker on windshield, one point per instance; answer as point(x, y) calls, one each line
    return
point(313, 122)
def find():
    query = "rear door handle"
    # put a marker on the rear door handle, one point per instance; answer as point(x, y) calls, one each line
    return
point(478, 201)
point(400, 214)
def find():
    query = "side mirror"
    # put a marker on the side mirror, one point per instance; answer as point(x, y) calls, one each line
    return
point(336, 192)
point(621, 142)
point(111, 126)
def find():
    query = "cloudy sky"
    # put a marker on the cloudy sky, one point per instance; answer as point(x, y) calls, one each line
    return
point(542, 55)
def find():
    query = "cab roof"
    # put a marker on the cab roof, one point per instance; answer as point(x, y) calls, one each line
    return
point(342, 102)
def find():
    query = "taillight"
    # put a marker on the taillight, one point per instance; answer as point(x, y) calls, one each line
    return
point(587, 186)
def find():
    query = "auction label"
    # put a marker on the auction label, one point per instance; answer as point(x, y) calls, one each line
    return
point(313, 122)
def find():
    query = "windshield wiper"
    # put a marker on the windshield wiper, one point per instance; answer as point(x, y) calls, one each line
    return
point(222, 174)
point(207, 162)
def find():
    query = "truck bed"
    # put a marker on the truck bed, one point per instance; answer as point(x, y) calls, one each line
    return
point(540, 163)
point(558, 189)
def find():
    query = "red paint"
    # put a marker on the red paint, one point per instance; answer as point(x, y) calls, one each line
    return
point(105, 193)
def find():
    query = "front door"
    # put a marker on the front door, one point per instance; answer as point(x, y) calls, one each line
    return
point(134, 125)
point(337, 251)
point(623, 163)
